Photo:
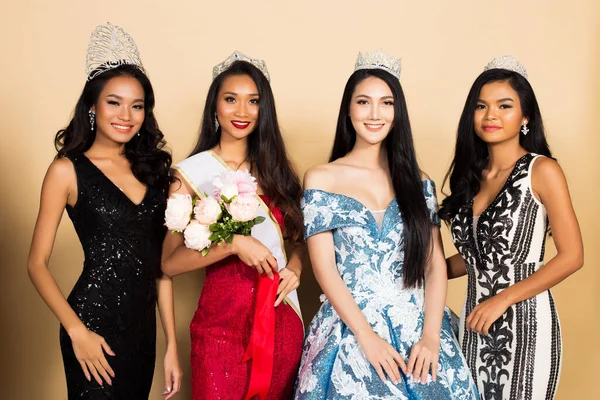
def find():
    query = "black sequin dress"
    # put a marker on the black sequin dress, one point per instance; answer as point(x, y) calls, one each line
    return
point(115, 296)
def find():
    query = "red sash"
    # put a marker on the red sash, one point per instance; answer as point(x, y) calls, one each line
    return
point(262, 339)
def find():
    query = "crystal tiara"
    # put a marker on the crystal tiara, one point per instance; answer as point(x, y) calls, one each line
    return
point(110, 46)
point(238, 56)
point(379, 60)
point(509, 63)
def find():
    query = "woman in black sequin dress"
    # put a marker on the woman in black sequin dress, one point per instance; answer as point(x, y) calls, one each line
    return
point(110, 174)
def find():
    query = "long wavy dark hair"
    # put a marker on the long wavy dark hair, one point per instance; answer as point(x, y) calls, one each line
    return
point(266, 150)
point(404, 171)
point(471, 153)
point(150, 162)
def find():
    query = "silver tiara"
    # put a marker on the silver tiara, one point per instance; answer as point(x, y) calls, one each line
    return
point(509, 63)
point(238, 56)
point(379, 60)
point(110, 46)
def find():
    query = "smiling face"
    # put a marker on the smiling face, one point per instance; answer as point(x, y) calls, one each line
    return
point(120, 109)
point(372, 110)
point(238, 106)
point(498, 116)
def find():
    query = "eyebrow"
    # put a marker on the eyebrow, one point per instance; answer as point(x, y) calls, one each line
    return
point(497, 101)
point(120, 98)
point(235, 94)
point(369, 97)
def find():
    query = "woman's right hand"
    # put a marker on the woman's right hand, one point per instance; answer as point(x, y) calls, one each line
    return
point(88, 348)
point(255, 254)
point(382, 356)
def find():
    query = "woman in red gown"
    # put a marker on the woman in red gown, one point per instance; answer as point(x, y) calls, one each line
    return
point(236, 355)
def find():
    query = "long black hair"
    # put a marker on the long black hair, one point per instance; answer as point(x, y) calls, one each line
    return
point(150, 162)
point(266, 150)
point(471, 153)
point(404, 171)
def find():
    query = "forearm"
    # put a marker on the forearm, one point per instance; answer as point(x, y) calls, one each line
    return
point(436, 286)
point(183, 259)
point(455, 266)
point(164, 289)
point(48, 289)
point(295, 258)
point(554, 272)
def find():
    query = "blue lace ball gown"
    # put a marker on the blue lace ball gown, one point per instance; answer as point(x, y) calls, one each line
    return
point(369, 260)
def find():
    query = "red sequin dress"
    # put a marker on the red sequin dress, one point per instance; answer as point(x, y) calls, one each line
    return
point(220, 332)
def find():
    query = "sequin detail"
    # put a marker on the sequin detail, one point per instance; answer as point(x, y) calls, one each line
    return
point(115, 296)
point(220, 332)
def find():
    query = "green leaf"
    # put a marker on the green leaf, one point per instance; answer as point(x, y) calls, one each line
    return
point(259, 220)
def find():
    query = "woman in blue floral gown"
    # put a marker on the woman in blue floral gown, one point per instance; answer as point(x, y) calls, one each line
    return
point(374, 242)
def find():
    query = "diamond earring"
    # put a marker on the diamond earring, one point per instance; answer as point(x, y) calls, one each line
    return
point(524, 129)
point(216, 123)
point(92, 116)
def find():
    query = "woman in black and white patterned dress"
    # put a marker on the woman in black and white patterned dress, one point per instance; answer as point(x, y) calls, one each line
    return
point(506, 191)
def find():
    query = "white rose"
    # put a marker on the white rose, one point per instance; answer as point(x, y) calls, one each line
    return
point(243, 208)
point(229, 191)
point(207, 210)
point(178, 212)
point(196, 236)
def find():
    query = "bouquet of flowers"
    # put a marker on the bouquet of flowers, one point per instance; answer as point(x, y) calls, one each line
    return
point(204, 221)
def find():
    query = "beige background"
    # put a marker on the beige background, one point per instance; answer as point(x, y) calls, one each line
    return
point(310, 48)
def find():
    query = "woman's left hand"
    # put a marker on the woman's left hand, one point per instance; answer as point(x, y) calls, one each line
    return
point(173, 373)
point(423, 356)
point(289, 280)
point(486, 313)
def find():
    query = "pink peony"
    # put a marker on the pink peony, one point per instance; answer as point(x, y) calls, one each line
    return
point(244, 208)
point(233, 183)
point(207, 210)
point(196, 236)
point(178, 212)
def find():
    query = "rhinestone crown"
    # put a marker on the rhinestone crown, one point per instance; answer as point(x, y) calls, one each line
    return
point(238, 56)
point(509, 63)
point(379, 60)
point(110, 46)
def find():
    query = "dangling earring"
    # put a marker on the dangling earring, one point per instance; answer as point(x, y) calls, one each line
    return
point(92, 115)
point(216, 123)
point(524, 129)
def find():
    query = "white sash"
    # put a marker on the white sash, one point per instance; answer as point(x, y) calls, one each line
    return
point(199, 171)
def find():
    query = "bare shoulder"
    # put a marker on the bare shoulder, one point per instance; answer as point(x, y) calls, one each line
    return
point(61, 170)
point(546, 169)
point(321, 176)
point(546, 166)
point(548, 181)
point(424, 176)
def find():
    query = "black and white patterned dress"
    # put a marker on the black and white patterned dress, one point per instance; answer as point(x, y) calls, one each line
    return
point(521, 358)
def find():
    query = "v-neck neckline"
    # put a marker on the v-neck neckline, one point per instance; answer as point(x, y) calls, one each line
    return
point(502, 189)
point(117, 186)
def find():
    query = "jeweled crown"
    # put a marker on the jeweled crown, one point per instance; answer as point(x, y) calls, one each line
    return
point(238, 56)
point(509, 63)
point(110, 46)
point(379, 60)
